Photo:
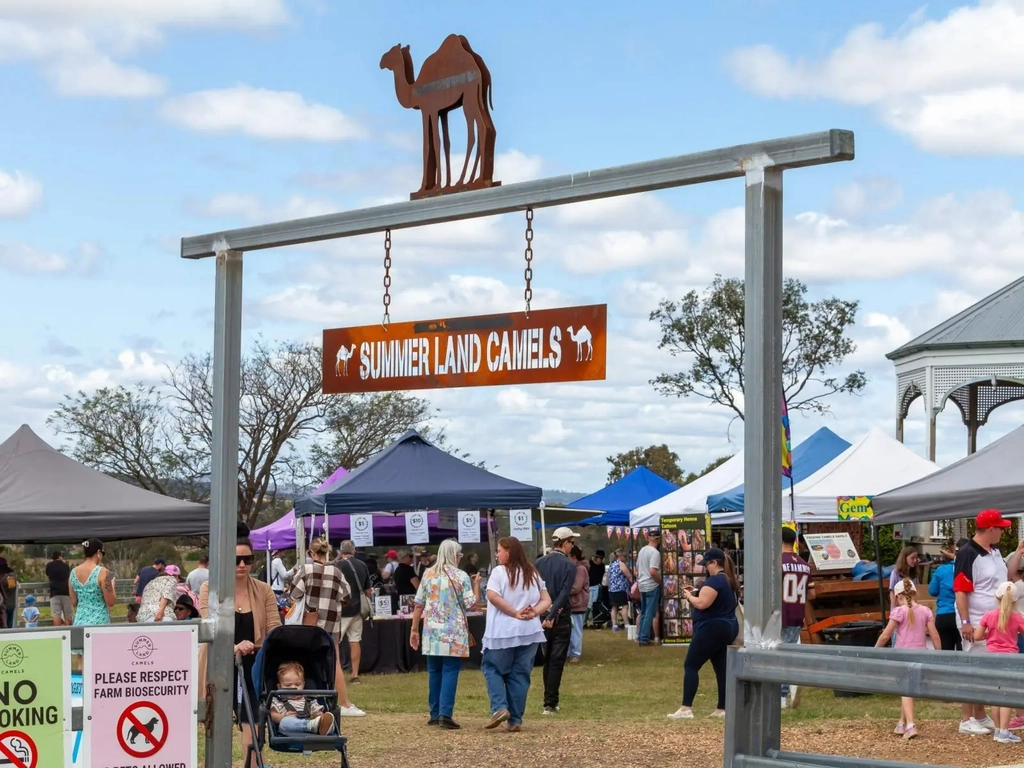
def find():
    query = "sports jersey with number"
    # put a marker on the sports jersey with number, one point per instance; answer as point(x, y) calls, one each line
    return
point(796, 573)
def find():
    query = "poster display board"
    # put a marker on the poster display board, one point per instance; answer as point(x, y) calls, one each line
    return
point(141, 696)
point(832, 551)
point(35, 699)
point(683, 539)
point(520, 524)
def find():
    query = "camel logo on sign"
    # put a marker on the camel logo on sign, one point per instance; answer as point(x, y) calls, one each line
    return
point(142, 647)
point(12, 656)
point(344, 355)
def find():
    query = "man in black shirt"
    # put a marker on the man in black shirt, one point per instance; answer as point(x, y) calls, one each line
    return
point(58, 573)
point(404, 576)
point(558, 573)
point(358, 577)
point(596, 612)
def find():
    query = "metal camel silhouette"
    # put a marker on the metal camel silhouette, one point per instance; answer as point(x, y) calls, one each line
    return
point(454, 76)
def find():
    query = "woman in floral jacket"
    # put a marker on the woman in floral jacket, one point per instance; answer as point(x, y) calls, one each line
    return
point(444, 595)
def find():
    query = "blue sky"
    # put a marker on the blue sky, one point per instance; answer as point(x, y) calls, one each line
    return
point(138, 123)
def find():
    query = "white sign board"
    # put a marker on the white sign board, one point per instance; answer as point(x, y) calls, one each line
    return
point(520, 524)
point(382, 605)
point(361, 530)
point(832, 551)
point(469, 526)
point(448, 520)
point(416, 529)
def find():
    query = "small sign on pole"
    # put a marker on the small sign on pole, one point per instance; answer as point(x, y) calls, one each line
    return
point(469, 526)
point(141, 696)
point(520, 524)
point(416, 529)
point(361, 529)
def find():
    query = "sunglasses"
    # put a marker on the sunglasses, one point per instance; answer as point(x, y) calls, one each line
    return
point(247, 559)
point(180, 608)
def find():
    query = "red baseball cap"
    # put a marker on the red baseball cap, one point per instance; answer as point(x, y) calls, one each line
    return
point(394, 555)
point(991, 518)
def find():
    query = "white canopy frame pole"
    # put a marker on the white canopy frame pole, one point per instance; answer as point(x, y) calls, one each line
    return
point(761, 163)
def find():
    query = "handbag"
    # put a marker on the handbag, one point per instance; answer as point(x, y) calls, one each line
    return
point(465, 616)
point(365, 609)
point(296, 612)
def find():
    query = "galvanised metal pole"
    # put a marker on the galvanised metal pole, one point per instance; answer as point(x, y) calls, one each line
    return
point(227, 367)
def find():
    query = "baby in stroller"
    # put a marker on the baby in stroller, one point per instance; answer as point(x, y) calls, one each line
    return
point(298, 714)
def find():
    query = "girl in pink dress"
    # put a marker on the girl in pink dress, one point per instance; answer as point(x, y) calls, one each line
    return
point(1000, 628)
point(914, 622)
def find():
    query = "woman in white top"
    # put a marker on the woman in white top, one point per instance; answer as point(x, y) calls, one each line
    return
point(517, 598)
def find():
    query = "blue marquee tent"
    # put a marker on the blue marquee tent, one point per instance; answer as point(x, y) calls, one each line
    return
point(639, 487)
point(808, 457)
point(413, 474)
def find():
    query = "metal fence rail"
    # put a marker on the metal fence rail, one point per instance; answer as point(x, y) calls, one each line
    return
point(124, 592)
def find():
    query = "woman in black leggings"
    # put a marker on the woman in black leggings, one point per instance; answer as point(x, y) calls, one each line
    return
point(714, 629)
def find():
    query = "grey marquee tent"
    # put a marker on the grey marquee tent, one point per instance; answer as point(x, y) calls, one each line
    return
point(992, 478)
point(47, 496)
point(412, 474)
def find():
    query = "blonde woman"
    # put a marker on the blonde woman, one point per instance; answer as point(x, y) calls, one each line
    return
point(444, 596)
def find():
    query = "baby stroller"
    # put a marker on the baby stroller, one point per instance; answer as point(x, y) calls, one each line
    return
point(313, 647)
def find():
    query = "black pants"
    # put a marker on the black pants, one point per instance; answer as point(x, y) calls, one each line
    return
point(555, 651)
point(949, 632)
point(710, 642)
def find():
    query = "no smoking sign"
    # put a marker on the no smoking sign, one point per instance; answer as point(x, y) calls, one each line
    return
point(142, 729)
point(17, 750)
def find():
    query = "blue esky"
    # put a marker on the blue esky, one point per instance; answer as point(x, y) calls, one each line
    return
point(132, 124)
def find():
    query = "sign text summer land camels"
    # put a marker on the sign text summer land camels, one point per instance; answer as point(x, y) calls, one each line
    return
point(453, 76)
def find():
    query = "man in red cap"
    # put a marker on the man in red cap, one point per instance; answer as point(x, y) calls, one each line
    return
point(978, 571)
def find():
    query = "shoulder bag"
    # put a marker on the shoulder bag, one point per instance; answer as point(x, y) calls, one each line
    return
point(365, 609)
point(462, 606)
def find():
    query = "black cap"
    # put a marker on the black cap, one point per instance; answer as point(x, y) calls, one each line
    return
point(159, 561)
point(714, 554)
point(599, 553)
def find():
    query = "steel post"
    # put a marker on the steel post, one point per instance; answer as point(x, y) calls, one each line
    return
point(227, 367)
point(762, 437)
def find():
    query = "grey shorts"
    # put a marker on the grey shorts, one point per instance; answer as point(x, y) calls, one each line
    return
point(60, 608)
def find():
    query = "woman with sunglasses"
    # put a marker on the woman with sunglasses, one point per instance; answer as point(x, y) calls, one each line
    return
point(92, 587)
point(255, 615)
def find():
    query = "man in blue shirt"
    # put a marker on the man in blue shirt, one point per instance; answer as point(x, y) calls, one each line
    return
point(558, 572)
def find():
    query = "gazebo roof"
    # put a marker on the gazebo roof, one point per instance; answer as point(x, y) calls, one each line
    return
point(995, 321)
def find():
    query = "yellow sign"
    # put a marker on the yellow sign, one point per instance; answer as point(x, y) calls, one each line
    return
point(792, 526)
point(854, 508)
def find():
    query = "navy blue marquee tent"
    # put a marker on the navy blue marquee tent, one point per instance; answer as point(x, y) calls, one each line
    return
point(639, 487)
point(808, 457)
point(413, 474)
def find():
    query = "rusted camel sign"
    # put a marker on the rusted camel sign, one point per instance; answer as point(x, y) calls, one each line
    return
point(453, 76)
point(553, 345)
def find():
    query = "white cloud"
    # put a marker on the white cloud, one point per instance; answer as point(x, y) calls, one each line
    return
point(863, 197)
point(927, 79)
point(186, 13)
point(261, 113)
point(19, 195)
point(513, 166)
point(251, 209)
point(23, 259)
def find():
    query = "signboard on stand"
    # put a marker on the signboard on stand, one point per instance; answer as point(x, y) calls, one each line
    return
point(469, 526)
point(141, 696)
point(520, 524)
point(416, 529)
point(361, 528)
point(683, 538)
point(551, 345)
point(35, 700)
point(382, 606)
point(831, 551)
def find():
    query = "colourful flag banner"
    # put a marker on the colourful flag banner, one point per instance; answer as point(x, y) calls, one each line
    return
point(611, 530)
point(787, 450)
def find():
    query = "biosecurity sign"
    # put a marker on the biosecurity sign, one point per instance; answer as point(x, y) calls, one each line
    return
point(35, 699)
point(552, 345)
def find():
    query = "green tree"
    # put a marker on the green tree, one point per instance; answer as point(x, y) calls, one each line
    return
point(707, 329)
point(657, 458)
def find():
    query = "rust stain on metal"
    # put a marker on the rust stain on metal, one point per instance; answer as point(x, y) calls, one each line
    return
point(553, 345)
point(451, 78)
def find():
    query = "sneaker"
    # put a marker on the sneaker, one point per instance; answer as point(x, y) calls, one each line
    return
point(616, 628)
point(785, 702)
point(351, 711)
point(1016, 723)
point(325, 723)
point(549, 710)
point(313, 725)
point(683, 713)
point(514, 728)
point(497, 719)
point(973, 727)
point(354, 681)
point(574, 659)
point(1005, 737)
point(718, 713)
point(910, 732)
point(900, 729)
point(987, 723)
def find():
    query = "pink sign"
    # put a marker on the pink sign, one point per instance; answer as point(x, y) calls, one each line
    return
point(140, 696)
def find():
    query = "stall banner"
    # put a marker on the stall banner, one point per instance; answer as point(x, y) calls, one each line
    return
point(854, 508)
point(35, 699)
point(520, 524)
point(469, 526)
point(361, 529)
point(683, 537)
point(141, 696)
point(832, 551)
point(416, 529)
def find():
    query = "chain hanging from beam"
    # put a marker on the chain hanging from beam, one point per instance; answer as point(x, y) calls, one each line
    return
point(528, 272)
point(387, 279)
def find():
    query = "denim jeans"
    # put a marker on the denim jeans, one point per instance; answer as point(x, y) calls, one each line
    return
point(507, 674)
point(292, 724)
point(576, 638)
point(790, 636)
point(442, 682)
point(649, 603)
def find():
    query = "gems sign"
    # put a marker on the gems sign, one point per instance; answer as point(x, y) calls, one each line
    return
point(553, 345)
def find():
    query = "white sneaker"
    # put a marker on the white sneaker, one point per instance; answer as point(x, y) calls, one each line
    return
point(351, 711)
point(1006, 737)
point(973, 727)
point(681, 714)
point(987, 723)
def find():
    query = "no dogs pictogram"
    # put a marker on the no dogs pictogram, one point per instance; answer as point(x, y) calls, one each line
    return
point(17, 750)
point(142, 729)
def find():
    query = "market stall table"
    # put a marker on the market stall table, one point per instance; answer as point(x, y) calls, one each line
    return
point(385, 646)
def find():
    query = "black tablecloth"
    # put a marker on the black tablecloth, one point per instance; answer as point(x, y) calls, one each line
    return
point(385, 647)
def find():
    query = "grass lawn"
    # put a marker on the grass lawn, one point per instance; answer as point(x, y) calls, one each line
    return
point(613, 708)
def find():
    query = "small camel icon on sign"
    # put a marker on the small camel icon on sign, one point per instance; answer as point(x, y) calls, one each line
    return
point(582, 337)
point(344, 355)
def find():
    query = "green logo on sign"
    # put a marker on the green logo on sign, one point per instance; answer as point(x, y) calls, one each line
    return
point(12, 656)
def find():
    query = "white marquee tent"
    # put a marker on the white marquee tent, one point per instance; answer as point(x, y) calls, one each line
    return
point(692, 497)
point(876, 463)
